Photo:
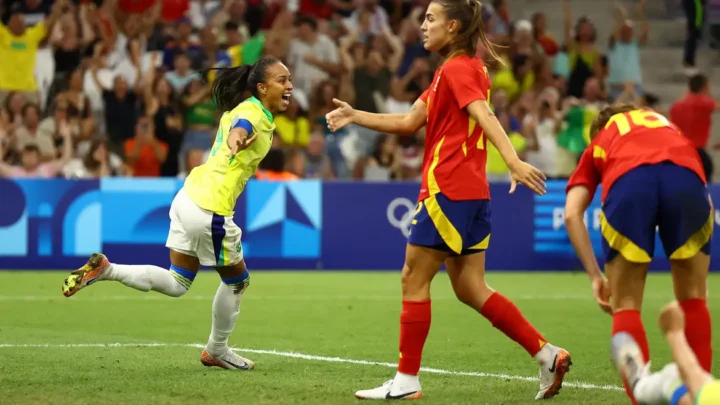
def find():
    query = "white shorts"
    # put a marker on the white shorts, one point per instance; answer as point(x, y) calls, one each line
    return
point(213, 239)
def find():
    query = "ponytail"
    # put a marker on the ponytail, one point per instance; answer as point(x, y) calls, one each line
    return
point(231, 84)
point(469, 13)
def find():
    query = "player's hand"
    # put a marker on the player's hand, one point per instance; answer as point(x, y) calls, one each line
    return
point(339, 117)
point(601, 292)
point(528, 175)
point(243, 143)
point(671, 318)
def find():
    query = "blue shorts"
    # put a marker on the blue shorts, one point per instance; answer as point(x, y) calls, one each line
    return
point(458, 227)
point(663, 196)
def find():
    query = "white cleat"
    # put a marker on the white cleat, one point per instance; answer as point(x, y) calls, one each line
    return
point(391, 390)
point(628, 359)
point(229, 361)
point(552, 373)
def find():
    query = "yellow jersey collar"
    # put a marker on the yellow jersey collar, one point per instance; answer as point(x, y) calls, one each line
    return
point(268, 114)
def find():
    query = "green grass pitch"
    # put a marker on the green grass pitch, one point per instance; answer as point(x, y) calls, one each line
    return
point(316, 337)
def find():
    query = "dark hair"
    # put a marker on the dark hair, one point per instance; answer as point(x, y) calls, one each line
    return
point(583, 20)
point(469, 14)
point(697, 83)
point(306, 19)
point(31, 147)
point(274, 161)
point(230, 85)
point(231, 26)
point(89, 159)
point(29, 106)
point(604, 116)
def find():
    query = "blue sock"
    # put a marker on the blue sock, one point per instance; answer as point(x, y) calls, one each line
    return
point(238, 283)
point(678, 394)
point(182, 276)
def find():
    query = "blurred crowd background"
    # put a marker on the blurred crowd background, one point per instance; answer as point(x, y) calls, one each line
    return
point(109, 88)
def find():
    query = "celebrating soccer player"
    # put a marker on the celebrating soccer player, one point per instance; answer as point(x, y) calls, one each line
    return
point(202, 231)
point(681, 383)
point(452, 220)
point(652, 178)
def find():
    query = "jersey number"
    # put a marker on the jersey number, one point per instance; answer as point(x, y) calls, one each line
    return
point(638, 118)
point(480, 143)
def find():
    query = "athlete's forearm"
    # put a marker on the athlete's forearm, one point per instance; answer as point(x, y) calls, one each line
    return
point(387, 123)
point(580, 239)
point(483, 115)
point(690, 371)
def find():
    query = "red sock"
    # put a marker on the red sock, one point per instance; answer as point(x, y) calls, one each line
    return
point(698, 330)
point(414, 328)
point(629, 321)
point(506, 317)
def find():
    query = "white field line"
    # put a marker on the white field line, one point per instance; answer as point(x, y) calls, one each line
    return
point(157, 297)
point(312, 357)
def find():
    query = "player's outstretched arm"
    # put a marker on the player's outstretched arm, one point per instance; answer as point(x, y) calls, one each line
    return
point(520, 171)
point(672, 323)
point(399, 124)
point(577, 202)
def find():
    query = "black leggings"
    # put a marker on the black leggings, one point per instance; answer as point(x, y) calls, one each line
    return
point(695, 16)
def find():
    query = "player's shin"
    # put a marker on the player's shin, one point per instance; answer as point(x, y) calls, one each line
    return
point(698, 330)
point(225, 310)
point(506, 317)
point(414, 328)
point(173, 283)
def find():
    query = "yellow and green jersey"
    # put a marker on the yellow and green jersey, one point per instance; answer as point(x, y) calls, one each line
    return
point(215, 185)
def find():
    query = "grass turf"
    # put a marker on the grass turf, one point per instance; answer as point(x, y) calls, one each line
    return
point(348, 315)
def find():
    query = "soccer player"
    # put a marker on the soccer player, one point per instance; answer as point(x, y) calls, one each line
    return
point(202, 231)
point(681, 383)
point(452, 221)
point(651, 177)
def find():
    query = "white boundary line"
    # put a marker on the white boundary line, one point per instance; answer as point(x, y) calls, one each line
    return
point(157, 297)
point(312, 357)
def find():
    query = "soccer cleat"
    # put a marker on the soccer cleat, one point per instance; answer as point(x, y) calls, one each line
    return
point(628, 360)
point(229, 361)
point(553, 372)
point(390, 390)
point(85, 275)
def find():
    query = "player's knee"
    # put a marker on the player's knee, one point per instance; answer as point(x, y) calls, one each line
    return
point(414, 283)
point(183, 281)
point(473, 295)
point(238, 283)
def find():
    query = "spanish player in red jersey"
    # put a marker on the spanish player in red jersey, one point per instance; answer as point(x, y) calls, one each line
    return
point(452, 220)
point(651, 178)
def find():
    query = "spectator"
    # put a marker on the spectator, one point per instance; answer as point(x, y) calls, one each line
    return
point(162, 106)
point(18, 50)
point(78, 104)
point(693, 115)
point(182, 43)
point(11, 116)
point(624, 54)
point(181, 75)
point(695, 17)
point(272, 168)
point(30, 133)
point(32, 166)
point(200, 117)
point(313, 57)
point(540, 35)
point(145, 153)
point(314, 163)
point(497, 170)
point(540, 126)
point(582, 53)
point(97, 162)
point(293, 126)
point(193, 159)
point(59, 127)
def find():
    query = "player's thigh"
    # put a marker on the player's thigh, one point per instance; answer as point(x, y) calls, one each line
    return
point(421, 265)
point(220, 244)
point(629, 216)
point(685, 215)
point(627, 283)
point(467, 270)
point(186, 224)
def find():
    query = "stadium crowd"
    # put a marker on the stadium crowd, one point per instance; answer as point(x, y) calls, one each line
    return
point(91, 89)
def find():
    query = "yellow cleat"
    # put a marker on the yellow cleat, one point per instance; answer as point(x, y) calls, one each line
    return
point(85, 275)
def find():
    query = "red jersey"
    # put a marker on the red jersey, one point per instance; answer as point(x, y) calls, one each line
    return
point(693, 115)
point(455, 146)
point(630, 140)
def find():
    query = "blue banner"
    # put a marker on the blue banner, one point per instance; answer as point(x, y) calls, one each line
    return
point(56, 224)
